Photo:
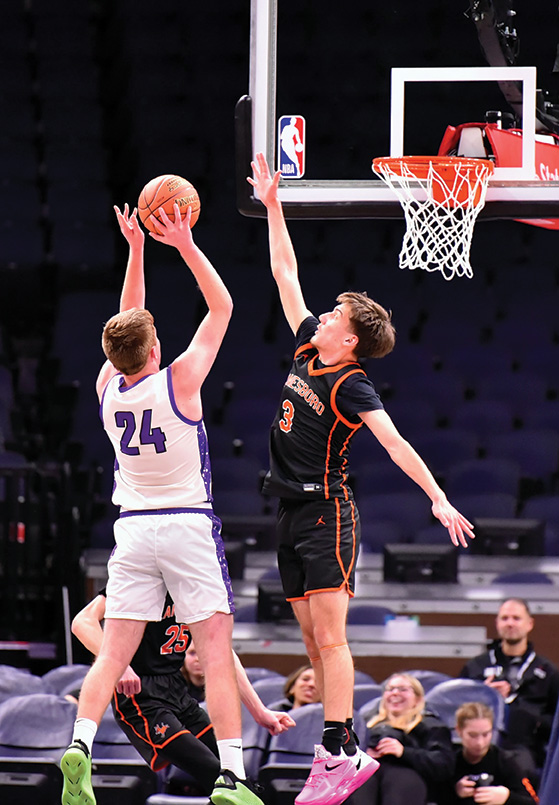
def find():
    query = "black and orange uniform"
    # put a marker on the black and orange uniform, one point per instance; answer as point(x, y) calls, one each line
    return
point(317, 418)
point(164, 723)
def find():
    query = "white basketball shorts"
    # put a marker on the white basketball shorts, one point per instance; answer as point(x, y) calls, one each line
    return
point(181, 552)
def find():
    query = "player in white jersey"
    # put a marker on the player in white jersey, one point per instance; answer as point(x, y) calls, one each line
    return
point(167, 537)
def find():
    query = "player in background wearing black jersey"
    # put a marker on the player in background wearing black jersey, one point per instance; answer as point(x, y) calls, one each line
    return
point(325, 400)
point(151, 702)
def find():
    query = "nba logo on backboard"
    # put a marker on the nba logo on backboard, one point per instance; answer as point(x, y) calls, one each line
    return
point(291, 146)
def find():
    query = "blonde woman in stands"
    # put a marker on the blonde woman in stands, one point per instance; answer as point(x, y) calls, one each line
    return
point(413, 746)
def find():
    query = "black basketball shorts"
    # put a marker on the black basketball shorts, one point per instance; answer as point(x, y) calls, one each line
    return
point(318, 546)
point(161, 713)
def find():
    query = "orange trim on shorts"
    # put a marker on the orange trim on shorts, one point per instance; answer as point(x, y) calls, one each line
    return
point(323, 590)
point(155, 748)
point(345, 573)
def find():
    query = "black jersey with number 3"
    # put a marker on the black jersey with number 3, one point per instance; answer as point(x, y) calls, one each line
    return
point(318, 416)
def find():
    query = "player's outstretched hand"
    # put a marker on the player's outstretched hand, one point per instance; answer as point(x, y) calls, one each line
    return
point(458, 527)
point(266, 185)
point(130, 226)
point(175, 233)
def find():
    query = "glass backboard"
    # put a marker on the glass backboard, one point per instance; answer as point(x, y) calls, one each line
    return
point(332, 88)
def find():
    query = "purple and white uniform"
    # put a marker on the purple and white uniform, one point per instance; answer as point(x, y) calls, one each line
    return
point(167, 537)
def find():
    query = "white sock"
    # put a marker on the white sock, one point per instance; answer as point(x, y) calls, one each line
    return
point(231, 756)
point(84, 730)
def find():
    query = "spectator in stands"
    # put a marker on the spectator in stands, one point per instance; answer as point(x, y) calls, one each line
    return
point(413, 746)
point(528, 683)
point(300, 687)
point(483, 772)
point(194, 674)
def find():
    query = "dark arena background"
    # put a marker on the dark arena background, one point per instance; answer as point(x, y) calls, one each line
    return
point(96, 99)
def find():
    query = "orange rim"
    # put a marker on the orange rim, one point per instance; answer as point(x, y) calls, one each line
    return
point(419, 165)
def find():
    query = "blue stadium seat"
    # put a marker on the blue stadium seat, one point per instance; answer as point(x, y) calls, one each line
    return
point(523, 577)
point(446, 697)
point(483, 475)
point(65, 678)
point(269, 688)
point(364, 693)
point(370, 614)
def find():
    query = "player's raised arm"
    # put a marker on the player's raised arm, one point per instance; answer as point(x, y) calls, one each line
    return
point(192, 366)
point(282, 254)
point(133, 288)
point(133, 292)
point(403, 454)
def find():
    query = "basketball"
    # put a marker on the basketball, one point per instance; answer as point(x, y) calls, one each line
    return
point(162, 193)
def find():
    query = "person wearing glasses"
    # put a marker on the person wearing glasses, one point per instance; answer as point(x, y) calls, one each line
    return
point(413, 747)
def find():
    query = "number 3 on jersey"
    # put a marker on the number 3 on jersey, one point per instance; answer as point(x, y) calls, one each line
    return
point(288, 413)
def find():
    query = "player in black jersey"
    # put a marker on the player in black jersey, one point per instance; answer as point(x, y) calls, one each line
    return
point(151, 702)
point(326, 399)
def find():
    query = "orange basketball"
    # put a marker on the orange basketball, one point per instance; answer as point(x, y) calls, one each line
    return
point(162, 193)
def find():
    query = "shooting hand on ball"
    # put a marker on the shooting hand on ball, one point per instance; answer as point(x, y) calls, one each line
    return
point(175, 233)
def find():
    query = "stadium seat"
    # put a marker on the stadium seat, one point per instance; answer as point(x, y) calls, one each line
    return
point(522, 577)
point(255, 743)
point(535, 451)
point(369, 709)
point(297, 744)
point(483, 417)
point(428, 678)
point(370, 614)
point(65, 678)
point(490, 504)
point(446, 697)
point(361, 677)
point(269, 688)
point(483, 475)
point(19, 682)
point(364, 693)
point(407, 510)
point(256, 672)
point(545, 507)
point(441, 449)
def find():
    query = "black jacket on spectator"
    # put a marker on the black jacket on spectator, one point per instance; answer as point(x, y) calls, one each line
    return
point(502, 766)
point(427, 748)
point(533, 698)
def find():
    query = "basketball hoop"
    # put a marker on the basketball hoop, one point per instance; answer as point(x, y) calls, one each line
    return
point(440, 219)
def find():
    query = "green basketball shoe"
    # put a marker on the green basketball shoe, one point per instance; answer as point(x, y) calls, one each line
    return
point(76, 769)
point(229, 790)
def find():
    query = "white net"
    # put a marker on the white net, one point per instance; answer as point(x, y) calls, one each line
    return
point(440, 217)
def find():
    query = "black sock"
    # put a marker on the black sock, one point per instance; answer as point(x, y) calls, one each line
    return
point(333, 736)
point(351, 740)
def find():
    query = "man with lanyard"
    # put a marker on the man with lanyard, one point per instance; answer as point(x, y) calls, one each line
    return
point(528, 683)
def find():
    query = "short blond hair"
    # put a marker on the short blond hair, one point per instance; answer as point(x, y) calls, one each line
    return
point(371, 323)
point(128, 338)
